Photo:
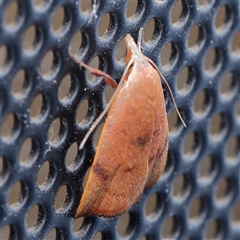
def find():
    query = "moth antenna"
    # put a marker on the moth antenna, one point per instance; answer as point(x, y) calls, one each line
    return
point(170, 91)
point(97, 121)
point(164, 79)
point(139, 38)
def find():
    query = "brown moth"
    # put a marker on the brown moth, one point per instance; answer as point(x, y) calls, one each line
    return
point(132, 151)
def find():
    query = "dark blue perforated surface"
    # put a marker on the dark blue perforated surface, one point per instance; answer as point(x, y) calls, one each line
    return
point(215, 141)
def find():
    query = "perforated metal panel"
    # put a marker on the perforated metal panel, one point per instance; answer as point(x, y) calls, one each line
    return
point(48, 103)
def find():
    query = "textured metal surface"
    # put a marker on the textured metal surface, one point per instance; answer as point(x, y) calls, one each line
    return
point(206, 203)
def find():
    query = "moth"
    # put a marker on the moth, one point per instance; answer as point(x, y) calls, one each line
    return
point(132, 150)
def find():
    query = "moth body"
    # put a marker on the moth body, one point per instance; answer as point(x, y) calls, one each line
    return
point(133, 146)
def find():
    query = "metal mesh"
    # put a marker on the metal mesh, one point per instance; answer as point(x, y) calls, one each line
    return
point(48, 103)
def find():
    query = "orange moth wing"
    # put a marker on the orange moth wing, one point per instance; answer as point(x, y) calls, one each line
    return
point(133, 146)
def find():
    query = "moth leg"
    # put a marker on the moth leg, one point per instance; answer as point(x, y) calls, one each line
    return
point(108, 79)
